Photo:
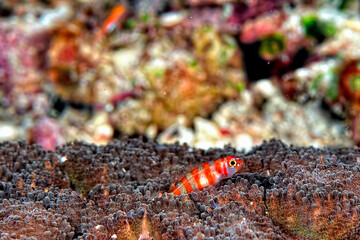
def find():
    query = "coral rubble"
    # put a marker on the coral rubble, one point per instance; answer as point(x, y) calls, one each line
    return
point(120, 191)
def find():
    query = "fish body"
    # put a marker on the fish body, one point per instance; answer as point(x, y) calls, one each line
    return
point(209, 173)
point(112, 20)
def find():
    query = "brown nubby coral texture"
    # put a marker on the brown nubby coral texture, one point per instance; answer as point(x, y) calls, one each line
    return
point(119, 191)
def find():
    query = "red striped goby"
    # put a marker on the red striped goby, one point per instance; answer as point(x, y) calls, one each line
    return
point(207, 174)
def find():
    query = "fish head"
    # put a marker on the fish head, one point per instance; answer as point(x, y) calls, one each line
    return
point(233, 164)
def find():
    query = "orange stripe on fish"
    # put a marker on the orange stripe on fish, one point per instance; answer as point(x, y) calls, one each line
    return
point(195, 175)
point(207, 174)
point(186, 184)
point(225, 169)
point(218, 166)
point(175, 190)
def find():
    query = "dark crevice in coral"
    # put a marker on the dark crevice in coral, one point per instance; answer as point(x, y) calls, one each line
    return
point(5, 10)
point(334, 115)
point(298, 61)
point(58, 104)
point(253, 62)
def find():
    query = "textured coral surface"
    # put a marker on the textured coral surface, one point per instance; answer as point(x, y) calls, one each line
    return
point(119, 191)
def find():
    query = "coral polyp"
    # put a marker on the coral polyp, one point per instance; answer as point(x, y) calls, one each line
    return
point(323, 201)
point(111, 192)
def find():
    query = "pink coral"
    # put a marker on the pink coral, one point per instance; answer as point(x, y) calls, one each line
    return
point(20, 54)
point(47, 133)
point(264, 26)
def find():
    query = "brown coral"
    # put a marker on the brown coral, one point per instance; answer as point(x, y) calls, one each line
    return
point(281, 192)
point(28, 219)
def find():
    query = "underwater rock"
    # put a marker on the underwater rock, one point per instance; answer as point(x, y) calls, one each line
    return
point(8, 131)
point(261, 113)
point(200, 78)
point(120, 191)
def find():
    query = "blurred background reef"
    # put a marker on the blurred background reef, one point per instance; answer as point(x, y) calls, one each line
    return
point(204, 72)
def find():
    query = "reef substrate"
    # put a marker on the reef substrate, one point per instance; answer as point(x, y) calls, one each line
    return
point(119, 191)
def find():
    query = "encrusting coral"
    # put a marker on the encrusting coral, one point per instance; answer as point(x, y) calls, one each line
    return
point(120, 191)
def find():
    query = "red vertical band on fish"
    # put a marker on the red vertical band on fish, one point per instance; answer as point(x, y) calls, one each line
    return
point(207, 174)
point(195, 175)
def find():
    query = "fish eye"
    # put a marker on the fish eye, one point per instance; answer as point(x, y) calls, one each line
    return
point(232, 163)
